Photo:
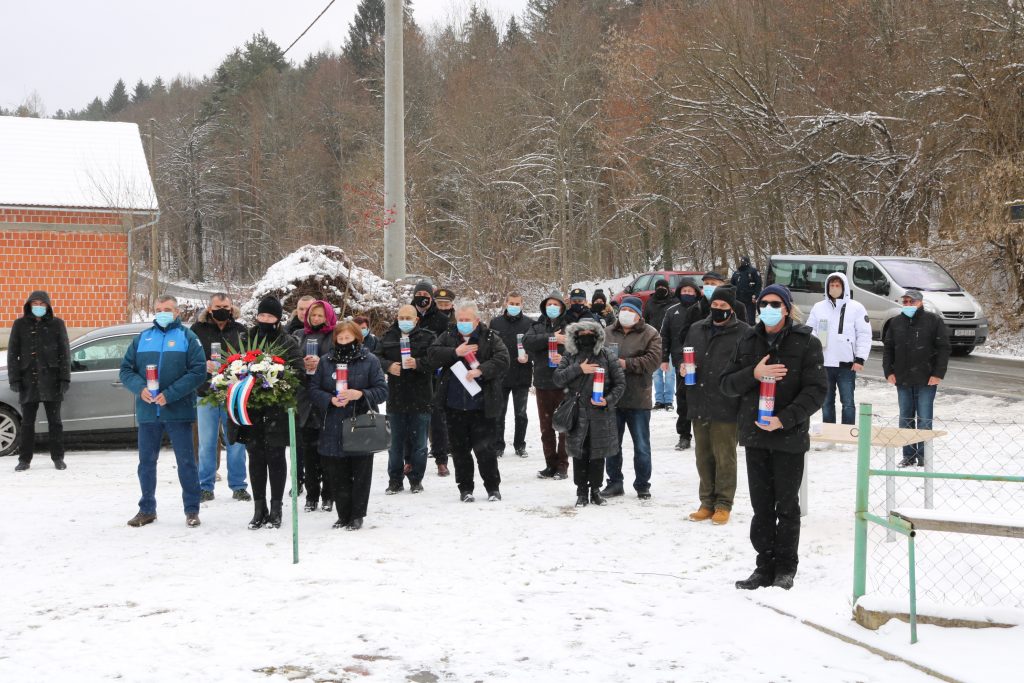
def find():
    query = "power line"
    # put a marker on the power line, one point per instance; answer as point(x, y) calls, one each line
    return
point(308, 27)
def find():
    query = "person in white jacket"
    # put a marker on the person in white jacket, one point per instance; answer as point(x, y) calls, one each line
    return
point(844, 329)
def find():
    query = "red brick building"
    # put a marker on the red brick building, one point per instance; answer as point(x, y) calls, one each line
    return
point(70, 193)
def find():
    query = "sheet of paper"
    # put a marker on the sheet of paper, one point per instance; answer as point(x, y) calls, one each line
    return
point(460, 370)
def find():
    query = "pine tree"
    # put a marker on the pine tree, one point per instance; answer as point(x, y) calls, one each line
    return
point(141, 93)
point(537, 15)
point(157, 88)
point(365, 44)
point(95, 111)
point(514, 35)
point(118, 99)
point(242, 68)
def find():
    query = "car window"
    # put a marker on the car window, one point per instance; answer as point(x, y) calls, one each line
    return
point(102, 354)
point(675, 280)
point(643, 283)
point(867, 276)
point(927, 276)
point(805, 276)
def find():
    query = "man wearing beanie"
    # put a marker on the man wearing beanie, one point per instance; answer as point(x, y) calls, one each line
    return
point(434, 320)
point(639, 353)
point(713, 414)
point(599, 307)
point(690, 308)
point(654, 315)
point(779, 351)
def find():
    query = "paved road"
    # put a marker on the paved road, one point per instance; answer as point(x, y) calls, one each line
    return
point(989, 376)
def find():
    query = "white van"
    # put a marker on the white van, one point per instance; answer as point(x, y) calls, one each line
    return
point(878, 282)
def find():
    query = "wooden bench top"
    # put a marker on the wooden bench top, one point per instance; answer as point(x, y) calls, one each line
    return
point(888, 437)
point(961, 522)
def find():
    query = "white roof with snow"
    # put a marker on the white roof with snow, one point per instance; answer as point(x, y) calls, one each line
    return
point(82, 164)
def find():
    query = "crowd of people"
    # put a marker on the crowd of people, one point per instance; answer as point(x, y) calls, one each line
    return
point(446, 379)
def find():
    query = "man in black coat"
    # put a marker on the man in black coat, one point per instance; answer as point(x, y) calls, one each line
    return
point(578, 309)
point(551, 323)
point(512, 326)
point(471, 408)
point(437, 322)
point(410, 399)
point(914, 358)
point(712, 413)
point(687, 310)
point(747, 282)
point(298, 317)
point(39, 370)
point(782, 352)
point(654, 315)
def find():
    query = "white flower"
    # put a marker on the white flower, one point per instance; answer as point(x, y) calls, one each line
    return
point(236, 367)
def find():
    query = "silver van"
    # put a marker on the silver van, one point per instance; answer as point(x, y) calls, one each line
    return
point(878, 282)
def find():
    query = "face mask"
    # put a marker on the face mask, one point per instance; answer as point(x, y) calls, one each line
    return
point(709, 290)
point(346, 350)
point(720, 315)
point(39, 311)
point(628, 318)
point(265, 329)
point(365, 331)
point(421, 301)
point(406, 325)
point(586, 341)
point(513, 310)
point(909, 311)
point(163, 319)
point(221, 315)
point(661, 292)
point(316, 328)
point(465, 328)
point(553, 311)
point(597, 307)
point(771, 316)
point(578, 309)
point(687, 299)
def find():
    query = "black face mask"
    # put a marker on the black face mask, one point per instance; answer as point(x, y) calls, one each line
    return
point(720, 315)
point(586, 342)
point(317, 328)
point(345, 352)
point(265, 329)
point(687, 299)
point(421, 301)
point(578, 309)
point(597, 306)
point(661, 292)
point(221, 315)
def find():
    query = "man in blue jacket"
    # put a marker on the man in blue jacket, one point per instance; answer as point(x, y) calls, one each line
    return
point(181, 369)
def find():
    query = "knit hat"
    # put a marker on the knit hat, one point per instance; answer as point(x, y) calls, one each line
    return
point(633, 303)
point(661, 282)
point(271, 305)
point(424, 287)
point(577, 293)
point(726, 293)
point(598, 294)
point(713, 275)
point(914, 295)
point(444, 295)
point(780, 291)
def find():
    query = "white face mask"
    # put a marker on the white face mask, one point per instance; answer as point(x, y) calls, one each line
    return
point(628, 318)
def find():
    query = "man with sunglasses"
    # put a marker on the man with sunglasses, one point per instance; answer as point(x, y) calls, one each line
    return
point(783, 351)
point(914, 357)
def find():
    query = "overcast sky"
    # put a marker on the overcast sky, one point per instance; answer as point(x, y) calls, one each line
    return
point(70, 51)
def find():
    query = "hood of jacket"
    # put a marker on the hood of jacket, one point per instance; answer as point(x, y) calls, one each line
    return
point(572, 333)
point(330, 317)
point(38, 295)
point(557, 296)
point(687, 282)
point(846, 286)
point(204, 315)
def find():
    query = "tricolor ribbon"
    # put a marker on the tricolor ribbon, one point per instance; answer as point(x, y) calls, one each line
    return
point(238, 400)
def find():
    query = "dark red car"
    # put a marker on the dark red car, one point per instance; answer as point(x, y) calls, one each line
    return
point(643, 286)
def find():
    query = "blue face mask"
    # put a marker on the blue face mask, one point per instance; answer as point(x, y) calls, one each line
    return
point(709, 290)
point(465, 328)
point(771, 316)
point(406, 325)
point(39, 311)
point(909, 311)
point(514, 310)
point(366, 331)
point(163, 318)
point(553, 311)
point(687, 299)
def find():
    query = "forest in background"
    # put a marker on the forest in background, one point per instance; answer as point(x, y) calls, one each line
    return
point(591, 138)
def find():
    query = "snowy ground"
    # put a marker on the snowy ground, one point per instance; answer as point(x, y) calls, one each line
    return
point(433, 589)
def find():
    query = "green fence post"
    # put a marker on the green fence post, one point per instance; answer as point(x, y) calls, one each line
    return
point(295, 486)
point(860, 522)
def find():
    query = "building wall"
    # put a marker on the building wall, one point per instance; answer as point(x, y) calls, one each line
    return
point(79, 257)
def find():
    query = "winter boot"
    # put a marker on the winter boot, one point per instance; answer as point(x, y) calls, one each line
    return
point(684, 444)
point(327, 505)
point(521, 452)
point(394, 486)
point(415, 487)
point(310, 505)
point(241, 494)
point(784, 579)
point(205, 496)
point(702, 514)
point(58, 464)
point(192, 520)
point(275, 515)
point(721, 516)
point(141, 519)
point(21, 466)
point(582, 499)
point(547, 473)
point(595, 497)
point(759, 579)
point(356, 524)
point(260, 515)
point(493, 496)
point(612, 490)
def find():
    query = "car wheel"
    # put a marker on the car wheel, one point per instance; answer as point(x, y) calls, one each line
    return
point(962, 350)
point(10, 431)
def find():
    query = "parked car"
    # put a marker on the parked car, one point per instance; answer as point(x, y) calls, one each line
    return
point(878, 282)
point(643, 286)
point(97, 406)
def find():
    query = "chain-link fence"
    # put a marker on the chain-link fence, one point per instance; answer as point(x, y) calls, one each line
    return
point(952, 568)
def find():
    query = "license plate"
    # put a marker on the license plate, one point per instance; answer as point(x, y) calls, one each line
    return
point(966, 332)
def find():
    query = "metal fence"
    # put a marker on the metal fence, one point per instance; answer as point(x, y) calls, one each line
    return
point(952, 568)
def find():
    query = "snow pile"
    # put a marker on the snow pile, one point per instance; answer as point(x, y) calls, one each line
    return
point(325, 272)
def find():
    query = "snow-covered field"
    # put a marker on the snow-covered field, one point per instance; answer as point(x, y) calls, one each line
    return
point(528, 589)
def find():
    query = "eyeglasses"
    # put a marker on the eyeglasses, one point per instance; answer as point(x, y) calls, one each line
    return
point(766, 304)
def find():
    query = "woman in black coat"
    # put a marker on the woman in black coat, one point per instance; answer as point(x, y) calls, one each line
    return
point(349, 472)
point(267, 437)
point(39, 371)
point(595, 436)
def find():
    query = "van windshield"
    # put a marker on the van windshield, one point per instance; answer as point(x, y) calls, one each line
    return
point(927, 276)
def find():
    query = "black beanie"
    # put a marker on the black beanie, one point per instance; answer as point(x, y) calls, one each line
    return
point(424, 287)
point(271, 305)
point(598, 294)
point(726, 293)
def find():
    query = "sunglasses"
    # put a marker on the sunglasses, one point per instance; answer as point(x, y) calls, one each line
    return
point(766, 304)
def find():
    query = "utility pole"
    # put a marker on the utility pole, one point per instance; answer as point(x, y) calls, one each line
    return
point(154, 235)
point(394, 142)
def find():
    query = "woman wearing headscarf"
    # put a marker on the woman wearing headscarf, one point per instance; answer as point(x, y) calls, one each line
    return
point(318, 324)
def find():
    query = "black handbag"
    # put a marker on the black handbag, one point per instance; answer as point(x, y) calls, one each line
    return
point(366, 433)
point(566, 414)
